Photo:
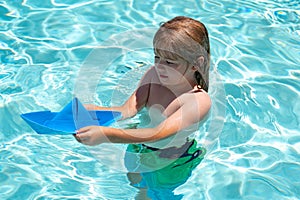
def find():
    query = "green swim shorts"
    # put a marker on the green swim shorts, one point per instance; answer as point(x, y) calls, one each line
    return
point(163, 168)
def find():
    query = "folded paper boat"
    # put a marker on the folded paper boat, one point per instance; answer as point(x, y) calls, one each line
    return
point(71, 118)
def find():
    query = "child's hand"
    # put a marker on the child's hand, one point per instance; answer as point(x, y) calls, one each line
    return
point(91, 135)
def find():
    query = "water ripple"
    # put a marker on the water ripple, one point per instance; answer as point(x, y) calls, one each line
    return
point(254, 47)
point(284, 16)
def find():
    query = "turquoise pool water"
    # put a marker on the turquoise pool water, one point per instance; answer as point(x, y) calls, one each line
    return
point(46, 45)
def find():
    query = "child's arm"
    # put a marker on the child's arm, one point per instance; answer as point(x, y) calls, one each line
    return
point(135, 102)
point(128, 109)
point(188, 114)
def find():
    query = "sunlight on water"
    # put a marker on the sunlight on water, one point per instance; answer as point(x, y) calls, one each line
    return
point(254, 48)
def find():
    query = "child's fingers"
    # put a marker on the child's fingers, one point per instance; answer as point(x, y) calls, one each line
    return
point(82, 138)
point(80, 134)
point(77, 137)
point(83, 130)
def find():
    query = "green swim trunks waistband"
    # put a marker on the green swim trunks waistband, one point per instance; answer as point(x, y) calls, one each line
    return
point(175, 152)
point(175, 155)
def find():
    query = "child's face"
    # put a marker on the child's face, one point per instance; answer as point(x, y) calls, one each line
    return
point(171, 71)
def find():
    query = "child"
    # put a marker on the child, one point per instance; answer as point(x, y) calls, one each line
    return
point(175, 90)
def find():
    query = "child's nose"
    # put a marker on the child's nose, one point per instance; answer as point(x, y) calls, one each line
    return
point(160, 64)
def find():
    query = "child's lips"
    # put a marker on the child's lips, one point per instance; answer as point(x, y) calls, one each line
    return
point(163, 76)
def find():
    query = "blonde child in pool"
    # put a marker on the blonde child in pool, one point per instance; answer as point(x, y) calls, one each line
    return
point(176, 86)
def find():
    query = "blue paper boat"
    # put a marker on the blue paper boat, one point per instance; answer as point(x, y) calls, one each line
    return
point(71, 118)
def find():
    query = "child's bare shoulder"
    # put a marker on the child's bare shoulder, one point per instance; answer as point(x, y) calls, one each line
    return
point(199, 96)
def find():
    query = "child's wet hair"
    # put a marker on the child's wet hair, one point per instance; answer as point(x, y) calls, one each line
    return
point(187, 39)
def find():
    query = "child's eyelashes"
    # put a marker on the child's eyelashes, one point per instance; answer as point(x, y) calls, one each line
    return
point(168, 62)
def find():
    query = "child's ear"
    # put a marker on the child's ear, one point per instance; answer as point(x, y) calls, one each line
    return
point(200, 60)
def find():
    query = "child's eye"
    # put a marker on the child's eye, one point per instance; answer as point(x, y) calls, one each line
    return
point(169, 63)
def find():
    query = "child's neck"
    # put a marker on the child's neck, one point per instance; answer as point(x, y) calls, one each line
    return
point(181, 88)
